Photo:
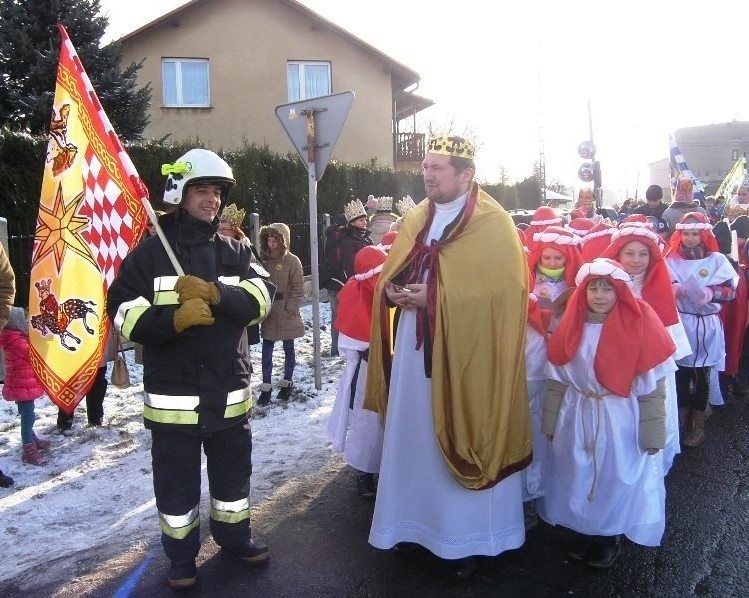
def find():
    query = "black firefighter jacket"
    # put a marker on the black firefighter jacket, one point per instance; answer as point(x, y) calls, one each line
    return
point(199, 379)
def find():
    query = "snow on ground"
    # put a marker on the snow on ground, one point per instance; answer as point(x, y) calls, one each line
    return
point(97, 488)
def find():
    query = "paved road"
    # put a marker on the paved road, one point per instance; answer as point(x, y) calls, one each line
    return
point(317, 531)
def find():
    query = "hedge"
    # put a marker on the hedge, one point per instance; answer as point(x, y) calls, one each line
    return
point(273, 185)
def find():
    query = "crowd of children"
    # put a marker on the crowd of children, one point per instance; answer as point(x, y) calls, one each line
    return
point(633, 337)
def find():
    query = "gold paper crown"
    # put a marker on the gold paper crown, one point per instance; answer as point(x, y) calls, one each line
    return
point(405, 205)
point(353, 210)
point(451, 145)
point(384, 204)
point(733, 212)
point(587, 194)
point(684, 189)
point(233, 215)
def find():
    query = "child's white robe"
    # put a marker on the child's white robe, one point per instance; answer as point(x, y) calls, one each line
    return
point(599, 480)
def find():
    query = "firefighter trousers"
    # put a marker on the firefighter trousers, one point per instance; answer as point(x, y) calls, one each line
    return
point(176, 460)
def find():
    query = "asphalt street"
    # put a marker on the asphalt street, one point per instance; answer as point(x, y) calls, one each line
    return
point(317, 532)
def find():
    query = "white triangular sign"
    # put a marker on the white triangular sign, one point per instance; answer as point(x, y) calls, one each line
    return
point(330, 115)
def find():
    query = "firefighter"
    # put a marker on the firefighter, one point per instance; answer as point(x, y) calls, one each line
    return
point(196, 366)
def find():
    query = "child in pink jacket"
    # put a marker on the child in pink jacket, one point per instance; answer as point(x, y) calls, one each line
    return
point(21, 384)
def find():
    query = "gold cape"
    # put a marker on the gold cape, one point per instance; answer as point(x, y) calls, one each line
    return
point(481, 415)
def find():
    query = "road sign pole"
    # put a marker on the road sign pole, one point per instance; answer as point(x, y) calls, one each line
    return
point(312, 179)
point(314, 138)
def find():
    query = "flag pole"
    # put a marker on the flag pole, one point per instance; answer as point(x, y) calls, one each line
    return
point(162, 237)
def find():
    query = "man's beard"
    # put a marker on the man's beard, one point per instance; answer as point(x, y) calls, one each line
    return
point(438, 196)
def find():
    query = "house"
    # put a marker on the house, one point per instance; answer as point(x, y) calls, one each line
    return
point(218, 69)
point(711, 150)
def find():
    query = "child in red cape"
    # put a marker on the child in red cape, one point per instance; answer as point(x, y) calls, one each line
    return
point(356, 432)
point(703, 278)
point(605, 416)
point(554, 260)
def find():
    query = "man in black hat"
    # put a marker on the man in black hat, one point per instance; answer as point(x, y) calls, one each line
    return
point(654, 207)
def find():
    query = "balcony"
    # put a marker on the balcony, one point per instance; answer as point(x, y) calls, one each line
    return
point(409, 147)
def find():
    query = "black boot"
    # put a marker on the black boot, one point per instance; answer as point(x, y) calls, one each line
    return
point(365, 485)
point(264, 398)
point(466, 569)
point(603, 551)
point(5, 480)
point(727, 386)
point(183, 575)
point(580, 547)
point(252, 551)
point(740, 390)
point(285, 393)
point(408, 548)
point(530, 517)
point(64, 423)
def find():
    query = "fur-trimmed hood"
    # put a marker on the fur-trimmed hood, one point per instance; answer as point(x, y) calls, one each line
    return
point(276, 228)
point(18, 320)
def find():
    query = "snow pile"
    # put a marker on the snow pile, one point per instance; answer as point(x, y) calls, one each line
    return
point(97, 488)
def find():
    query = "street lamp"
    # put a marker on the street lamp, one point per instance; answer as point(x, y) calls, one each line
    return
point(590, 171)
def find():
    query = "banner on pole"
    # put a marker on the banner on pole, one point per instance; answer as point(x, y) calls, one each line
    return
point(733, 179)
point(90, 217)
point(679, 168)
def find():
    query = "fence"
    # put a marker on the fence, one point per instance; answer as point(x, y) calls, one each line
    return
point(20, 246)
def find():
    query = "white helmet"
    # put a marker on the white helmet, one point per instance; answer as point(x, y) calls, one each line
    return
point(197, 165)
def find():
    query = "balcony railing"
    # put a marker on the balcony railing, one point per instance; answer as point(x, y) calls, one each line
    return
point(409, 147)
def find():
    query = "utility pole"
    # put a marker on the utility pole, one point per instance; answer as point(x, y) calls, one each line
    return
point(541, 150)
point(596, 164)
point(590, 171)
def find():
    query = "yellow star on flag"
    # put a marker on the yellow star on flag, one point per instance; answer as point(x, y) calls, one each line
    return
point(59, 229)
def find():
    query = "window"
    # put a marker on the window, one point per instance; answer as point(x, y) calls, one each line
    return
point(186, 82)
point(307, 80)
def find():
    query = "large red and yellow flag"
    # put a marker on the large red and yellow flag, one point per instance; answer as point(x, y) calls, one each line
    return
point(90, 217)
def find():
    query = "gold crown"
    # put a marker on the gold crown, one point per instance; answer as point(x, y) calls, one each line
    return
point(684, 189)
point(353, 210)
point(384, 204)
point(451, 145)
point(586, 193)
point(405, 205)
point(233, 215)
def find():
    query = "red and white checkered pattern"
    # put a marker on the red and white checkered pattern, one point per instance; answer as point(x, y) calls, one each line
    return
point(111, 232)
